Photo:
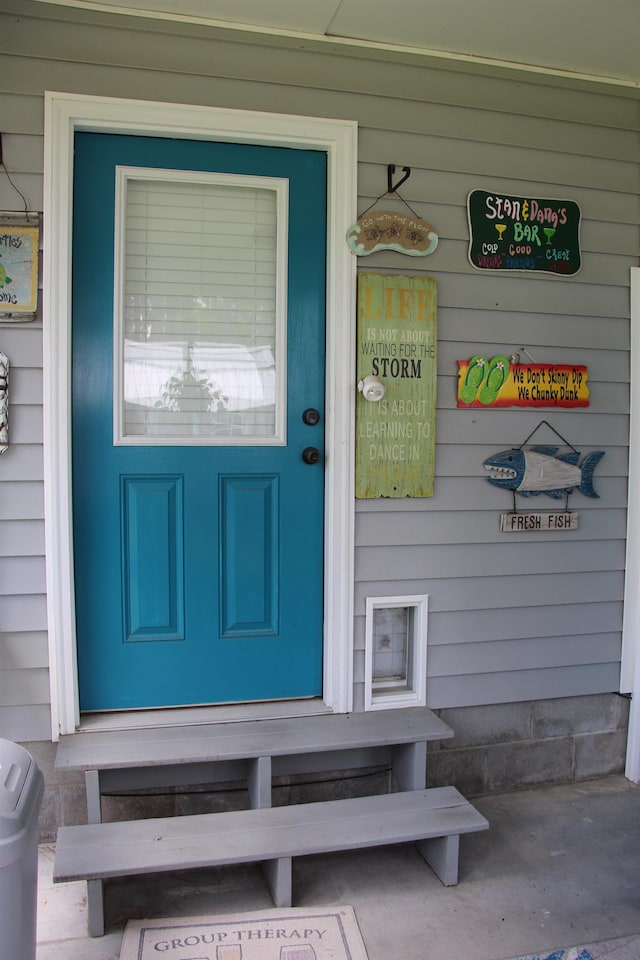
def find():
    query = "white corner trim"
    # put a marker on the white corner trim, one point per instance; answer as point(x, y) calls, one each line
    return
point(630, 667)
point(66, 113)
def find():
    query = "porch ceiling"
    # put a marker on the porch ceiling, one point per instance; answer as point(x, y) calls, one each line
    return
point(587, 38)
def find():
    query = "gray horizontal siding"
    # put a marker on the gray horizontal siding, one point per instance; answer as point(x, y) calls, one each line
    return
point(465, 460)
point(22, 538)
point(23, 613)
point(26, 385)
point(21, 500)
point(460, 659)
point(25, 462)
point(442, 188)
point(507, 560)
point(516, 616)
point(24, 651)
point(470, 494)
point(26, 723)
point(393, 528)
point(24, 686)
point(515, 686)
point(22, 343)
point(24, 657)
point(22, 575)
point(490, 592)
point(521, 623)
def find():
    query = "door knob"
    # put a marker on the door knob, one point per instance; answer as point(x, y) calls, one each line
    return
point(311, 455)
point(311, 417)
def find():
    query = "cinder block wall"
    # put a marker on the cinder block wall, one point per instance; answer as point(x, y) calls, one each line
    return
point(511, 746)
point(495, 749)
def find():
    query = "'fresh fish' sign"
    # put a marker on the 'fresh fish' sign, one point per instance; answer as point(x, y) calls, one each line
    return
point(531, 471)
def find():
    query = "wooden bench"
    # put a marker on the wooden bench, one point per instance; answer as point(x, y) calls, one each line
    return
point(434, 818)
point(253, 751)
point(406, 731)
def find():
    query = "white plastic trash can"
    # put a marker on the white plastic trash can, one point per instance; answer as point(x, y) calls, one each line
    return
point(21, 790)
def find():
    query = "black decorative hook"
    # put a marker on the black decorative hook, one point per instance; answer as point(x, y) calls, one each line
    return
point(391, 169)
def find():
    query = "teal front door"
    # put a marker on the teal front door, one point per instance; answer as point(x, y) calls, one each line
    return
point(197, 421)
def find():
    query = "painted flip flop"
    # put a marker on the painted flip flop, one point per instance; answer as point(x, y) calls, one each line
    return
point(496, 376)
point(476, 372)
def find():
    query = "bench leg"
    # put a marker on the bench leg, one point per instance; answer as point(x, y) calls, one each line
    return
point(259, 782)
point(95, 906)
point(95, 896)
point(441, 854)
point(410, 766)
point(278, 874)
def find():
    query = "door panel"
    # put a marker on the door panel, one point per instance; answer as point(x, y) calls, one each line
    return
point(198, 568)
point(152, 558)
point(249, 524)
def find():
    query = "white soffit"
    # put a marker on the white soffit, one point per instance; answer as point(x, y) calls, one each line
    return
point(588, 39)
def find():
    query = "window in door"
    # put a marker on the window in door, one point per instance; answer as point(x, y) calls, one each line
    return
point(200, 308)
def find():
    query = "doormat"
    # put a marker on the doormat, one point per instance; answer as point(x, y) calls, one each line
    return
point(575, 953)
point(324, 934)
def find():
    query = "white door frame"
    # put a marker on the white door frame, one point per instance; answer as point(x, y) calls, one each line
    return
point(66, 113)
point(630, 668)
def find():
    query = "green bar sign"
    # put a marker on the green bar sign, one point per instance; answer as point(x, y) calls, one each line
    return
point(523, 233)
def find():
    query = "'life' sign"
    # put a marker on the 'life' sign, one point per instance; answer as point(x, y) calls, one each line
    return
point(396, 369)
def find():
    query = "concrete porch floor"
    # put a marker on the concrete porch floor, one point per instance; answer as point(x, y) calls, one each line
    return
point(558, 868)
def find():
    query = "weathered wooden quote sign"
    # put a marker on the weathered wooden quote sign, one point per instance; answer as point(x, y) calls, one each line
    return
point(397, 350)
point(523, 233)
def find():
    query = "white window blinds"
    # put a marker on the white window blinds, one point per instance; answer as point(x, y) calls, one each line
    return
point(200, 355)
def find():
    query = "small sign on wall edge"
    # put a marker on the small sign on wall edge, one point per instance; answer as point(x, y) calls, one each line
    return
point(19, 261)
point(515, 522)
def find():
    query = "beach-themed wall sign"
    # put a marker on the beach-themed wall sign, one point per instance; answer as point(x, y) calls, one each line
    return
point(531, 471)
point(543, 470)
point(497, 382)
point(4, 403)
point(396, 376)
point(531, 522)
point(510, 233)
point(19, 241)
point(388, 230)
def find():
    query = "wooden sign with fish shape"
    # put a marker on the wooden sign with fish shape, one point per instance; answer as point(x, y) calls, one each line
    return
point(531, 471)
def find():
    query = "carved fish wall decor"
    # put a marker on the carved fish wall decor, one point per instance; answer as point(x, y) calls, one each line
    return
point(531, 471)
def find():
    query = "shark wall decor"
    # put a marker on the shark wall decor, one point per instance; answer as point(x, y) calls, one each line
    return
point(556, 472)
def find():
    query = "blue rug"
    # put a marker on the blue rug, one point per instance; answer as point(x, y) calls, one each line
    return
point(572, 954)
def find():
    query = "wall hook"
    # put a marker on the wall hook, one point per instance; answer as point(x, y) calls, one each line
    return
point(391, 169)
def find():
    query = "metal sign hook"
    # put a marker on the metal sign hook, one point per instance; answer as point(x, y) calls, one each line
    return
point(391, 169)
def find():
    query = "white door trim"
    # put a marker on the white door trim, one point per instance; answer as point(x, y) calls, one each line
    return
point(630, 669)
point(66, 113)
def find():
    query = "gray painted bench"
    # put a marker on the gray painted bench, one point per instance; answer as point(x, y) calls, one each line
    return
point(250, 750)
point(435, 818)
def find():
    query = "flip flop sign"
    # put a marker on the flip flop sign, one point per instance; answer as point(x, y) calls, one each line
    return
point(496, 382)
